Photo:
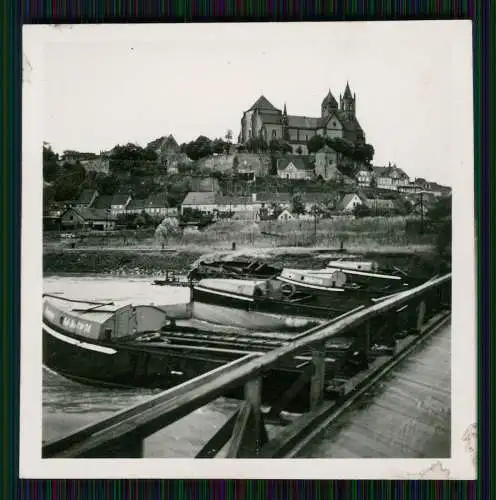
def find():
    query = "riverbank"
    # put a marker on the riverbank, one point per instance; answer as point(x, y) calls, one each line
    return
point(153, 261)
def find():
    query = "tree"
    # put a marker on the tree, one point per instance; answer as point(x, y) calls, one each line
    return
point(298, 206)
point(256, 145)
point(107, 184)
point(218, 146)
point(276, 209)
point(315, 143)
point(199, 148)
point(362, 211)
point(50, 163)
point(279, 146)
point(441, 209)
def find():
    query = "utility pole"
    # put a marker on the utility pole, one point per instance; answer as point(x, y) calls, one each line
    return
point(421, 212)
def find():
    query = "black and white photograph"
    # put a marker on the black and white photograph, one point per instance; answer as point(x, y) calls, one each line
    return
point(248, 241)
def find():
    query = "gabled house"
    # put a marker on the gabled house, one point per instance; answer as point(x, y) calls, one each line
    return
point(86, 198)
point(119, 203)
point(349, 202)
point(295, 167)
point(390, 177)
point(102, 202)
point(135, 207)
point(204, 201)
point(88, 218)
point(284, 200)
point(285, 215)
point(156, 205)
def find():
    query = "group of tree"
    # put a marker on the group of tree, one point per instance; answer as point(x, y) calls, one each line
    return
point(260, 145)
point(363, 153)
point(203, 146)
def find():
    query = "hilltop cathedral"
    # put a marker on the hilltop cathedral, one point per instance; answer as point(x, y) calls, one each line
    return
point(266, 121)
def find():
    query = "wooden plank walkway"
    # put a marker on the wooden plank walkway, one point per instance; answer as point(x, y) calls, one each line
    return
point(407, 416)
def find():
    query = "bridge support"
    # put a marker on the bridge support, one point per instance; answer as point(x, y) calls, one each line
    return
point(317, 381)
point(292, 392)
point(219, 439)
point(249, 433)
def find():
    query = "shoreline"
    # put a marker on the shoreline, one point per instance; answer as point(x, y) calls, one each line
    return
point(149, 262)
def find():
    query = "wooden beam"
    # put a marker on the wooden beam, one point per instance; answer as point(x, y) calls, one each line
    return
point(292, 392)
point(239, 431)
point(219, 439)
point(318, 378)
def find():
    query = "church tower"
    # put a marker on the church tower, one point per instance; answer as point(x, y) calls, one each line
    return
point(329, 104)
point(285, 124)
point(347, 103)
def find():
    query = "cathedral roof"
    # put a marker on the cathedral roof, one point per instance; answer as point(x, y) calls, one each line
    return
point(347, 92)
point(330, 101)
point(303, 122)
point(263, 104)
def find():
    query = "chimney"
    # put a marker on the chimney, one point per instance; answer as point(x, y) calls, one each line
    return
point(254, 197)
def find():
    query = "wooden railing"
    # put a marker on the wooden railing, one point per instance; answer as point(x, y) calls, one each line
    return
point(122, 434)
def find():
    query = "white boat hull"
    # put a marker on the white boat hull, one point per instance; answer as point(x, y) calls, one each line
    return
point(250, 320)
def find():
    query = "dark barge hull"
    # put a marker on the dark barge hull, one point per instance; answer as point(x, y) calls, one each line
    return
point(142, 365)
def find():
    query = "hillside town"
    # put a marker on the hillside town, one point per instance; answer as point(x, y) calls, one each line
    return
point(282, 167)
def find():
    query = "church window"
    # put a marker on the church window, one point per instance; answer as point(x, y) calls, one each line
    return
point(274, 133)
point(334, 124)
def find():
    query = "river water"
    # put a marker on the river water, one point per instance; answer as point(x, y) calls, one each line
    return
point(67, 405)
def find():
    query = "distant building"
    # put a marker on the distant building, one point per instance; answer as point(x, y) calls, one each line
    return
point(389, 177)
point(264, 120)
point(88, 218)
point(364, 177)
point(285, 215)
point(156, 205)
point(119, 203)
point(380, 206)
point(86, 198)
point(326, 164)
point(295, 167)
point(349, 202)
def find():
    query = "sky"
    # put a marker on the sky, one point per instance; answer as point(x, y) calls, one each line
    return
point(108, 85)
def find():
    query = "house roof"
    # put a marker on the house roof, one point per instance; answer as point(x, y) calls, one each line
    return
point(274, 197)
point(120, 199)
point(102, 201)
point(235, 200)
point(300, 162)
point(157, 200)
point(86, 196)
point(200, 198)
point(263, 104)
point(92, 214)
point(347, 198)
point(326, 149)
point(136, 204)
point(316, 197)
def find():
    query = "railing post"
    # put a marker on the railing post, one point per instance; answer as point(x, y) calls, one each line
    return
point(421, 309)
point(318, 379)
point(249, 433)
point(253, 396)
